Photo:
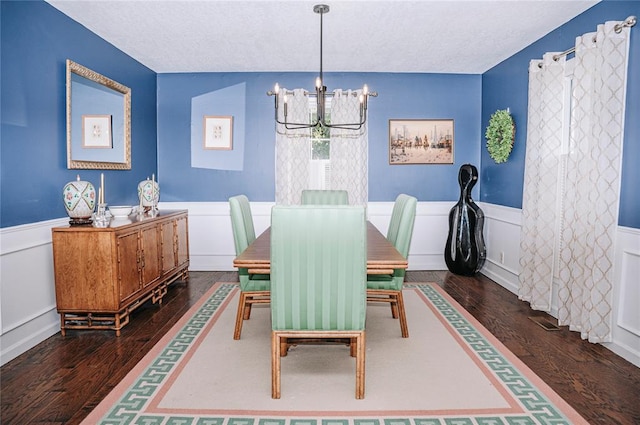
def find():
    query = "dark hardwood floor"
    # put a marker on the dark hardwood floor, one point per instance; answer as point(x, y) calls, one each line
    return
point(62, 379)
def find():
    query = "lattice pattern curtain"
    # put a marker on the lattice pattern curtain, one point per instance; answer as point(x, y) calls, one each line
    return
point(587, 200)
point(292, 149)
point(349, 149)
point(593, 182)
point(541, 173)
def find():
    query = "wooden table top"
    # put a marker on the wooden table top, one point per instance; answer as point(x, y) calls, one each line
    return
point(382, 256)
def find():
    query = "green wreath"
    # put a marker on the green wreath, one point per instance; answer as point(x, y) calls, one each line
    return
point(500, 134)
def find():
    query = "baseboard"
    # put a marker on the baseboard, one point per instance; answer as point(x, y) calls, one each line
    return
point(23, 338)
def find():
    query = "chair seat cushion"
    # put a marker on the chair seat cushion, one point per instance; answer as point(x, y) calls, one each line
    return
point(384, 281)
point(253, 282)
point(258, 282)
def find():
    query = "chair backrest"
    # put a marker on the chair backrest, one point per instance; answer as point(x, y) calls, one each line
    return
point(318, 267)
point(241, 222)
point(401, 224)
point(325, 197)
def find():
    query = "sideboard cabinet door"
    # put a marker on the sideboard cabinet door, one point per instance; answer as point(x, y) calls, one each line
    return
point(128, 265)
point(149, 255)
point(175, 244)
point(182, 234)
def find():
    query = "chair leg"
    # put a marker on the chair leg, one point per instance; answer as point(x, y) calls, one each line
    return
point(247, 310)
point(240, 315)
point(275, 365)
point(396, 300)
point(404, 328)
point(360, 364)
point(393, 300)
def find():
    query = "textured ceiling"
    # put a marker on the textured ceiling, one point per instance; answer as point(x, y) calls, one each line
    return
point(467, 37)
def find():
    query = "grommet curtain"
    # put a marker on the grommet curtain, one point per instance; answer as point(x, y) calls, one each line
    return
point(575, 131)
point(349, 149)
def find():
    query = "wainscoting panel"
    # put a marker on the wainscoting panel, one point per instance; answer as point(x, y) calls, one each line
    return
point(27, 287)
point(502, 238)
point(211, 241)
point(626, 330)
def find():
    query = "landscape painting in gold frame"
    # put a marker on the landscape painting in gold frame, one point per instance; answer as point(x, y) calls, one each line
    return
point(420, 141)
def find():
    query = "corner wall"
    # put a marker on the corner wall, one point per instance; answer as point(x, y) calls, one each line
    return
point(506, 86)
point(35, 42)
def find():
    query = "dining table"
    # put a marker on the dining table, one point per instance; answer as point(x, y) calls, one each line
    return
point(382, 256)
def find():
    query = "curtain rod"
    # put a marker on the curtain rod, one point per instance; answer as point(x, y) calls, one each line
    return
point(629, 22)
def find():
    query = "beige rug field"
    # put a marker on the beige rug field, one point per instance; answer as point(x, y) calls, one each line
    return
point(449, 371)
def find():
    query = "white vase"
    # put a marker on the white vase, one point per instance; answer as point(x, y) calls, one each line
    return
point(148, 194)
point(79, 201)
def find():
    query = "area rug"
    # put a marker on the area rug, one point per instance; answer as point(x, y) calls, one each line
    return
point(450, 371)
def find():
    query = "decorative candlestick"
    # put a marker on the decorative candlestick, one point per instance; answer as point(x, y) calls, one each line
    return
point(101, 194)
point(154, 202)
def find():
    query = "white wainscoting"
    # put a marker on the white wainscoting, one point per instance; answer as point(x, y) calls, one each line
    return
point(502, 239)
point(27, 288)
point(27, 296)
point(211, 241)
point(626, 302)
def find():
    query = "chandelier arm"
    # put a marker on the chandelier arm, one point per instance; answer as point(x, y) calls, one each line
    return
point(321, 95)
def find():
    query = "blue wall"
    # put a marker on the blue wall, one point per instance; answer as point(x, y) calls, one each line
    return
point(428, 96)
point(506, 86)
point(36, 41)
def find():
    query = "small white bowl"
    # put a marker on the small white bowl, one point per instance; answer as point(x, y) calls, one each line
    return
point(120, 210)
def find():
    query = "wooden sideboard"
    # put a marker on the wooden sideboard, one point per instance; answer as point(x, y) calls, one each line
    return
point(103, 274)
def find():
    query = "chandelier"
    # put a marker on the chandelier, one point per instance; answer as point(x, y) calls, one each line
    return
point(321, 96)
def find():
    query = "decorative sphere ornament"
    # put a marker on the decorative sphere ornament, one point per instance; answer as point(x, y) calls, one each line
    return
point(79, 201)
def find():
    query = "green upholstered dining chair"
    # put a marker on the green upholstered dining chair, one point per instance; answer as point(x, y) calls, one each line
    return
point(254, 288)
point(388, 288)
point(318, 280)
point(325, 197)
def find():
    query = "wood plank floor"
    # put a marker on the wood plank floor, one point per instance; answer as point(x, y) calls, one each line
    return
point(62, 379)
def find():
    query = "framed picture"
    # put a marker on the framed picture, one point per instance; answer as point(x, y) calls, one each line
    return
point(218, 132)
point(418, 141)
point(96, 132)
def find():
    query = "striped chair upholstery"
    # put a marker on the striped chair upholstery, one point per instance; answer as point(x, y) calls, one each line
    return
point(325, 197)
point(388, 288)
point(318, 280)
point(254, 288)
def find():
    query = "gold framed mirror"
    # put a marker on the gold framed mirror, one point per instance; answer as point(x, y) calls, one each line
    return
point(98, 121)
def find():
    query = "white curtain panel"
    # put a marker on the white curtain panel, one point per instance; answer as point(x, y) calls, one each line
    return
point(293, 149)
point(570, 197)
point(542, 166)
point(593, 182)
point(349, 149)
